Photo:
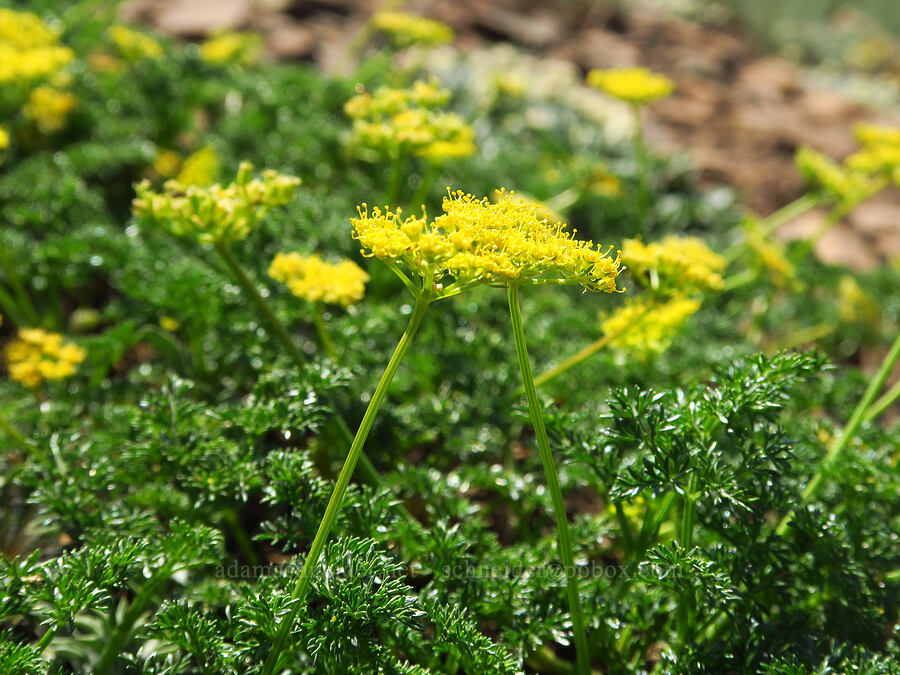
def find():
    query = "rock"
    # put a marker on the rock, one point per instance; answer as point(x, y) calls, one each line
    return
point(290, 40)
point(876, 216)
point(598, 48)
point(200, 17)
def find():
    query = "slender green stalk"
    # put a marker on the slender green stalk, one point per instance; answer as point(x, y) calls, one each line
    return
point(625, 526)
point(643, 170)
point(322, 331)
point(113, 647)
point(393, 191)
point(418, 199)
point(340, 488)
point(775, 220)
point(883, 403)
point(686, 539)
point(230, 516)
point(849, 431)
point(46, 639)
point(585, 352)
point(24, 301)
point(250, 289)
point(564, 536)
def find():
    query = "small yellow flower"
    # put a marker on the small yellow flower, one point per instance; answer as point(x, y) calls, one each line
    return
point(36, 355)
point(167, 323)
point(408, 29)
point(644, 327)
point(768, 256)
point(475, 241)
point(232, 47)
point(214, 213)
point(633, 85)
point(134, 45)
point(4, 138)
point(315, 280)
point(200, 168)
point(681, 263)
point(49, 108)
point(26, 65)
point(871, 135)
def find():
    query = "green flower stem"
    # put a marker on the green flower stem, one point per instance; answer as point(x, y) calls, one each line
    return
point(772, 222)
point(883, 403)
point(584, 353)
point(24, 302)
point(340, 488)
point(224, 251)
point(625, 526)
point(120, 634)
point(643, 170)
point(322, 331)
point(849, 431)
point(368, 469)
point(418, 199)
point(393, 191)
point(230, 516)
point(583, 659)
point(686, 539)
point(29, 446)
point(46, 639)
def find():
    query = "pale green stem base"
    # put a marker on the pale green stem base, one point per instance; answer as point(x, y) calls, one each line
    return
point(564, 536)
point(340, 488)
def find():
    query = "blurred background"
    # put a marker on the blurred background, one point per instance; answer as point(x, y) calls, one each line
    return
point(755, 80)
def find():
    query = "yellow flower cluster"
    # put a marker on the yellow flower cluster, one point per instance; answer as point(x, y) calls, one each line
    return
point(395, 120)
point(4, 138)
point(315, 280)
point(215, 213)
point(48, 108)
point(880, 154)
point(686, 264)
point(476, 241)
point(767, 255)
point(855, 305)
point(637, 86)
point(835, 181)
point(134, 45)
point(36, 355)
point(408, 29)
point(200, 168)
point(644, 327)
point(28, 48)
point(232, 47)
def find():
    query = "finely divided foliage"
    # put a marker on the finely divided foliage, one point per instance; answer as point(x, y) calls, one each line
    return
point(218, 458)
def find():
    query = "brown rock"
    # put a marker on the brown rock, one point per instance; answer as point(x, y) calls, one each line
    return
point(199, 17)
point(290, 40)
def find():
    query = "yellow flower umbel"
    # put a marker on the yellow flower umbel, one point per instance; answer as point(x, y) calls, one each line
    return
point(36, 355)
point(317, 281)
point(831, 180)
point(48, 108)
point(475, 241)
point(880, 154)
point(200, 168)
point(645, 327)
point(397, 121)
point(405, 29)
point(134, 45)
point(28, 49)
point(215, 213)
point(232, 48)
point(681, 264)
point(637, 86)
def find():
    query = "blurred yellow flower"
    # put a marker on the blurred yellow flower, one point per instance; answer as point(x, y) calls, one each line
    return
point(134, 45)
point(830, 179)
point(167, 323)
point(678, 263)
point(166, 163)
point(633, 85)
point(644, 327)
point(395, 120)
point(36, 355)
point(408, 29)
point(855, 305)
point(315, 280)
point(4, 138)
point(48, 108)
point(215, 213)
point(200, 168)
point(24, 30)
point(232, 47)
